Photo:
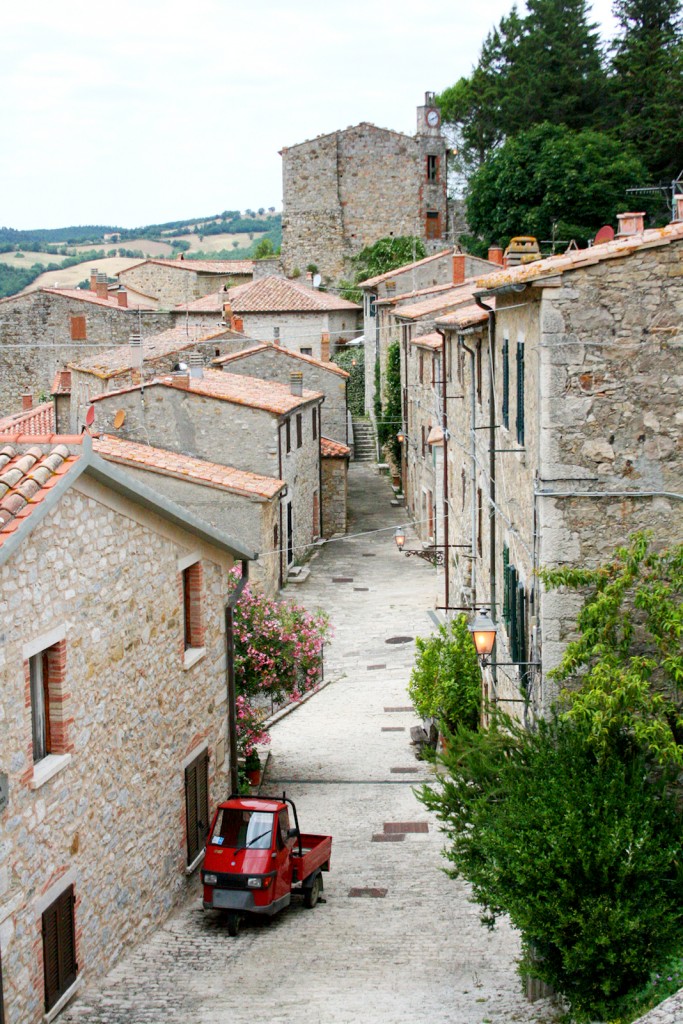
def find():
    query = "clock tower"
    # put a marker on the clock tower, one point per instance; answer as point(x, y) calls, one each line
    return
point(429, 117)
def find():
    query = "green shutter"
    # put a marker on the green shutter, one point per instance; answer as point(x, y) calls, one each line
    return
point(512, 611)
point(520, 392)
point(506, 570)
point(506, 384)
point(521, 623)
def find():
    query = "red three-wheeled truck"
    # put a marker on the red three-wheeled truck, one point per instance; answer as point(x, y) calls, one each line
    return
point(255, 861)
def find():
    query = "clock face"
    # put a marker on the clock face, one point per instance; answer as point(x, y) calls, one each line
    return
point(433, 118)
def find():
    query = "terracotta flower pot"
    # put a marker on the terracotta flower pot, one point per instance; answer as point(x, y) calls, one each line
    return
point(254, 776)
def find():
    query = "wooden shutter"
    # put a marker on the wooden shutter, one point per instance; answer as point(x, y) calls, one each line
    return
point(288, 432)
point(314, 422)
point(506, 592)
point(78, 328)
point(512, 606)
point(197, 804)
point(506, 384)
point(520, 392)
point(59, 947)
point(299, 430)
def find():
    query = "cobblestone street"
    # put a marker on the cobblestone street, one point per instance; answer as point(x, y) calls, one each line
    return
point(414, 954)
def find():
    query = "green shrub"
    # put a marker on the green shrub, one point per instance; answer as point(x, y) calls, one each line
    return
point(446, 679)
point(353, 361)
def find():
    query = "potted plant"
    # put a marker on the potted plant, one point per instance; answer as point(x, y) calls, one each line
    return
point(252, 768)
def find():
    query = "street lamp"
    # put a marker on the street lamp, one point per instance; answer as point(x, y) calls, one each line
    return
point(400, 537)
point(483, 631)
point(400, 437)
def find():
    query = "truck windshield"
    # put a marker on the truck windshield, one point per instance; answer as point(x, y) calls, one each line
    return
point(236, 828)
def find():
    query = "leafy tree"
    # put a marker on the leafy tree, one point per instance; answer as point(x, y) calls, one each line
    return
point(387, 254)
point(264, 249)
point(647, 81)
point(581, 850)
point(628, 659)
point(389, 423)
point(445, 682)
point(551, 175)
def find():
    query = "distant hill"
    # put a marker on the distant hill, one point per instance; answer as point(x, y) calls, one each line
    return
point(232, 234)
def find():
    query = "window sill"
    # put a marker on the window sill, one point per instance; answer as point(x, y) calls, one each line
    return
point(196, 862)
point(192, 656)
point(62, 1001)
point(46, 769)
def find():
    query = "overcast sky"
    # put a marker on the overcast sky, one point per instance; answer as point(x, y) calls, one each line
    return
point(151, 110)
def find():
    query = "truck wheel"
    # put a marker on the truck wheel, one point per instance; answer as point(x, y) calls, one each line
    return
point(233, 924)
point(312, 895)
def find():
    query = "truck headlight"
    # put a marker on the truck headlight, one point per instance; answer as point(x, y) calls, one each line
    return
point(210, 879)
point(254, 883)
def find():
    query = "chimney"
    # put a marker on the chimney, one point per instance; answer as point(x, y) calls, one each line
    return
point(630, 224)
point(93, 280)
point(495, 255)
point(458, 267)
point(26, 402)
point(296, 382)
point(181, 381)
point(101, 287)
point(227, 312)
point(196, 366)
point(678, 208)
point(237, 323)
point(325, 347)
point(122, 296)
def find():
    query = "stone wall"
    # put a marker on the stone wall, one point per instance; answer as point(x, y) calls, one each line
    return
point(422, 482)
point(303, 331)
point(40, 322)
point(346, 190)
point(230, 434)
point(104, 574)
point(270, 364)
point(175, 285)
point(335, 473)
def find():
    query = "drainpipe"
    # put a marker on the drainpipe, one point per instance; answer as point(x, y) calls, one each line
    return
point(230, 675)
point(473, 468)
point(279, 471)
point(444, 428)
point(492, 465)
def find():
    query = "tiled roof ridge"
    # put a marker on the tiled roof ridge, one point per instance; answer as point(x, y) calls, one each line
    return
point(330, 447)
point(23, 478)
point(272, 293)
point(199, 266)
point(387, 275)
point(84, 295)
point(460, 294)
point(174, 336)
point(264, 346)
point(30, 421)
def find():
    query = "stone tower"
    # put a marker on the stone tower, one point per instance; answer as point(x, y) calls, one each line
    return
point(345, 190)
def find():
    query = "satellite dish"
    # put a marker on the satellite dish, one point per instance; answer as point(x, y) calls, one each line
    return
point(605, 234)
point(119, 418)
point(90, 416)
point(317, 280)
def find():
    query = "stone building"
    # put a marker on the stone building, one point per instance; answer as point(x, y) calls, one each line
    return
point(345, 190)
point(170, 282)
point(335, 475)
point(135, 363)
point(274, 362)
point(274, 309)
point(42, 331)
point(244, 505)
point(249, 424)
point(434, 277)
point(584, 423)
point(113, 715)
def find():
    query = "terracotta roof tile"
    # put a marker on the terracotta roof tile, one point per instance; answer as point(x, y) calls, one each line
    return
point(332, 449)
point(278, 295)
point(466, 316)
point(239, 389)
point(244, 353)
point(25, 478)
point(119, 360)
point(372, 281)
point(435, 289)
point(39, 420)
point(186, 467)
point(446, 300)
point(432, 341)
point(84, 295)
point(61, 385)
point(578, 258)
point(200, 266)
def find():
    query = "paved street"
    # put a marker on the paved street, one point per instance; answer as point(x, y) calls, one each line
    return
point(414, 954)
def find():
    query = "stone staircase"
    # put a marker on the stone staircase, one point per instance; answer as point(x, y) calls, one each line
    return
point(364, 441)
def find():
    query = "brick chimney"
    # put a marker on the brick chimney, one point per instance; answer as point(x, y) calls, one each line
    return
point(26, 402)
point(237, 323)
point(227, 312)
point(630, 224)
point(296, 382)
point(101, 287)
point(93, 280)
point(122, 296)
point(458, 267)
point(495, 255)
point(325, 347)
point(181, 381)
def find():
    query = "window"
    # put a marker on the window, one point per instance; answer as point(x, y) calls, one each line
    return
point(370, 304)
point(299, 430)
point(423, 434)
point(197, 804)
point(46, 670)
point(306, 351)
point(479, 371)
point(276, 334)
point(421, 371)
point(192, 606)
point(514, 610)
point(59, 947)
point(314, 423)
point(316, 516)
point(432, 167)
point(78, 332)
point(506, 384)
point(433, 224)
point(480, 521)
point(288, 435)
point(520, 393)
point(40, 706)
point(235, 828)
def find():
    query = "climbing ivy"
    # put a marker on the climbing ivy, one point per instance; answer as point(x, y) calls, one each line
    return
point(353, 361)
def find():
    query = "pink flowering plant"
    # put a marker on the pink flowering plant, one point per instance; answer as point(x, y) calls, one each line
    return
point(278, 653)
